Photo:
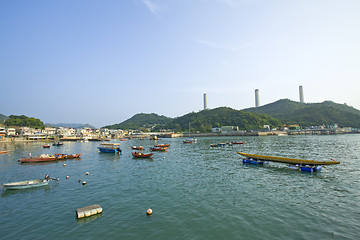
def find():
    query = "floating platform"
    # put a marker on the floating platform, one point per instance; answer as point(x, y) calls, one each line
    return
point(88, 211)
point(288, 160)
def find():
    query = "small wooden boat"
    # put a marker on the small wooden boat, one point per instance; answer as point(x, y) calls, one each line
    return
point(213, 145)
point(142, 155)
point(160, 149)
point(46, 146)
point(28, 183)
point(5, 151)
point(58, 144)
point(25, 184)
point(137, 147)
point(288, 160)
point(42, 158)
point(162, 145)
point(237, 142)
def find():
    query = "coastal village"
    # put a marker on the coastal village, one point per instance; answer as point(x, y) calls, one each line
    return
point(89, 134)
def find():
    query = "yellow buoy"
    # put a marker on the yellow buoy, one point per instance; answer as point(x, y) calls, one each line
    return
point(64, 164)
point(79, 180)
point(149, 211)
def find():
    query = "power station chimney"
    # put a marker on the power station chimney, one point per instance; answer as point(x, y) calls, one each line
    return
point(257, 103)
point(205, 101)
point(301, 94)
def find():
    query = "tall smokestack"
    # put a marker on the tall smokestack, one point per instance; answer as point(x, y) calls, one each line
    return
point(301, 94)
point(257, 103)
point(205, 101)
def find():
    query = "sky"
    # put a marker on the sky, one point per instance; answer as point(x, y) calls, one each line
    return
point(101, 62)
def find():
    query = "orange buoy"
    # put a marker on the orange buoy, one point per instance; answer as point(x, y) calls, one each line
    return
point(67, 177)
point(149, 211)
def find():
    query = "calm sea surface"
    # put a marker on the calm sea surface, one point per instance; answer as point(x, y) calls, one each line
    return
point(195, 191)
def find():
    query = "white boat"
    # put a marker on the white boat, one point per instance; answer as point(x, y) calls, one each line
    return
point(25, 184)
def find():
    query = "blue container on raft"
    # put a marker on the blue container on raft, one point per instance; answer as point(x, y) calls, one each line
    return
point(310, 168)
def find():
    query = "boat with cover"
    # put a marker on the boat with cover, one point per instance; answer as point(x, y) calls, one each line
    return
point(162, 145)
point(68, 156)
point(159, 149)
point(288, 160)
point(142, 155)
point(28, 183)
point(41, 158)
point(110, 148)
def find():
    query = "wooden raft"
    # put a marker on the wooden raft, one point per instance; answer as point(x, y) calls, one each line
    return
point(88, 211)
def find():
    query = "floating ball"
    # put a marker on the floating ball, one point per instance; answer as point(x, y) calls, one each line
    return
point(79, 180)
point(64, 164)
point(83, 183)
point(67, 177)
point(149, 211)
point(87, 173)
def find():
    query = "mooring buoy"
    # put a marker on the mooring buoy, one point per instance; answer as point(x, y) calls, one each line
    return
point(149, 211)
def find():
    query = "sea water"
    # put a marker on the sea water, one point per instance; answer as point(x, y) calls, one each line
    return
point(195, 191)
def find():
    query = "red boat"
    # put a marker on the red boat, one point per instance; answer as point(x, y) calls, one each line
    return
point(142, 155)
point(46, 146)
point(160, 149)
point(237, 142)
point(42, 158)
point(137, 148)
point(162, 145)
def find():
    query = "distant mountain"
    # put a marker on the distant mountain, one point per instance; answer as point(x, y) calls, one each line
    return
point(311, 114)
point(202, 121)
point(2, 118)
point(70, 125)
point(142, 120)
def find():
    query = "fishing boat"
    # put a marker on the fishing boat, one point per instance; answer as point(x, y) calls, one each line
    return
point(5, 151)
point(142, 155)
point(68, 156)
point(137, 147)
point(159, 149)
point(288, 160)
point(213, 145)
point(237, 143)
point(46, 146)
point(41, 158)
point(28, 183)
point(162, 145)
point(110, 148)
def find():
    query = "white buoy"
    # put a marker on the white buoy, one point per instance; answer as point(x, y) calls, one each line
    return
point(149, 211)
point(83, 183)
point(64, 164)
point(87, 173)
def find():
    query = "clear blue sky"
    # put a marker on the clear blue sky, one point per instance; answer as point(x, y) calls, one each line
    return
point(101, 62)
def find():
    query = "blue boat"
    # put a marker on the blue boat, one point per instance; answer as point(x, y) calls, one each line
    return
point(110, 148)
point(309, 168)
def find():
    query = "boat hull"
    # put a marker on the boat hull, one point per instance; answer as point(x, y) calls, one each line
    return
point(25, 184)
point(108, 150)
point(142, 155)
point(288, 160)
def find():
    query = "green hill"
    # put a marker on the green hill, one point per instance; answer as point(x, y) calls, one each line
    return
point(202, 121)
point(310, 114)
point(142, 121)
point(205, 120)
